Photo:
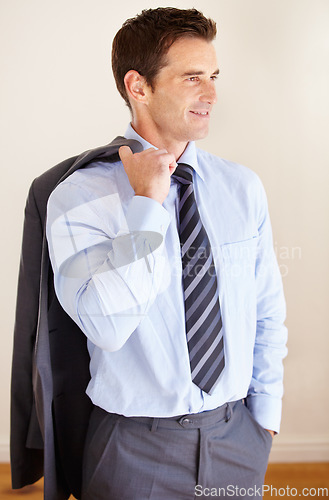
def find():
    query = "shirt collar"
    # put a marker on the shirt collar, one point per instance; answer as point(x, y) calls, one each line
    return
point(189, 156)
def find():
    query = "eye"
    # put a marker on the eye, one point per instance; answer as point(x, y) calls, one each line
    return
point(214, 78)
point(193, 79)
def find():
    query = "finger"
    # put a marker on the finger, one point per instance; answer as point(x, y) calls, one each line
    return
point(125, 153)
point(172, 167)
point(163, 153)
point(171, 160)
point(150, 150)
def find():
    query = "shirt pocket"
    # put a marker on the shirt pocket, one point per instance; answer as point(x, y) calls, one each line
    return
point(238, 285)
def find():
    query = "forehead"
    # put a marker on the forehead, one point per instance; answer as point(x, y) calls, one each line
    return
point(191, 51)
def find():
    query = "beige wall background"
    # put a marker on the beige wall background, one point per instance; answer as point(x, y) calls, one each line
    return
point(58, 98)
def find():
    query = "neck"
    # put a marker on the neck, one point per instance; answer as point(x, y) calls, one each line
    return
point(155, 138)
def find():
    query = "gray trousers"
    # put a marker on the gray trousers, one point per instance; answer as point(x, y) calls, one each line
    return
point(223, 453)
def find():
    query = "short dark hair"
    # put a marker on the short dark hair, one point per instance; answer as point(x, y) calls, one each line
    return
point(143, 41)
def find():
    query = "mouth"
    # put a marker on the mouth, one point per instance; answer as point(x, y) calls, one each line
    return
point(202, 114)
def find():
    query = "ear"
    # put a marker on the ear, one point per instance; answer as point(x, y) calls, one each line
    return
point(135, 86)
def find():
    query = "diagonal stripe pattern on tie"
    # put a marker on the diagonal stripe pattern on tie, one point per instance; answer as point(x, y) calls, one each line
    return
point(202, 308)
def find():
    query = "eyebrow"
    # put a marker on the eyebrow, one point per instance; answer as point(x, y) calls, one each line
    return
point(197, 73)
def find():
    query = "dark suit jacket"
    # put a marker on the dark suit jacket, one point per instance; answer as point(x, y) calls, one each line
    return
point(50, 370)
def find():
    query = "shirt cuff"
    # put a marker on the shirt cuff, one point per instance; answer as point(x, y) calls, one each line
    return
point(266, 411)
point(146, 214)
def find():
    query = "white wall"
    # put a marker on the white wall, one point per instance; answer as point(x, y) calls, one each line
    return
point(58, 98)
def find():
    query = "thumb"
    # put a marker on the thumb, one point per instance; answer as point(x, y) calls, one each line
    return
point(125, 153)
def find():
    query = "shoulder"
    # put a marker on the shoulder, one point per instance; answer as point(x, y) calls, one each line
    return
point(48, 179)
point(229, 174)
point(42, 186)
point(97, 178)
point(99, 188)
point(221, 167)
point(234, 184)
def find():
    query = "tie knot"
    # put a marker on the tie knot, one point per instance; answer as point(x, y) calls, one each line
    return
point(183, 173)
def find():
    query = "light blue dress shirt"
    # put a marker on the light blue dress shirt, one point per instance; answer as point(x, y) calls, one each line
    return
point(117, 267)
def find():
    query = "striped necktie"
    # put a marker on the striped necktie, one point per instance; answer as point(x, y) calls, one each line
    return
point(201, 301)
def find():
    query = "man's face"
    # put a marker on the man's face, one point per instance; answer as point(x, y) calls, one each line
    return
point(184, 93)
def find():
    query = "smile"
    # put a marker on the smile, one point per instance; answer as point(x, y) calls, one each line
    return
point(200, 113)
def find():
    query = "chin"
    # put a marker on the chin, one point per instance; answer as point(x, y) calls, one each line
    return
point(198, 135)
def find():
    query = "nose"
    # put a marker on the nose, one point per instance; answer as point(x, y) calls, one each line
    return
point(209, 93)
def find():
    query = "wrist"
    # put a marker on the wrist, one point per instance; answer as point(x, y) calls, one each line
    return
point(151, 195)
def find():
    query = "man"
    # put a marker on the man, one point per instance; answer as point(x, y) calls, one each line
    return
point(165, 262)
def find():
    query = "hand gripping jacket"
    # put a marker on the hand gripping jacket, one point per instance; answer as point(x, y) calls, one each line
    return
point(50, 369)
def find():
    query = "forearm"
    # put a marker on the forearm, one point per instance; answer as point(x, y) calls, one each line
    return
point(114, 302)
point(266, 388)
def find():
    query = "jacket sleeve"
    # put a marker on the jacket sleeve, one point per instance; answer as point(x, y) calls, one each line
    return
point(26, 445)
